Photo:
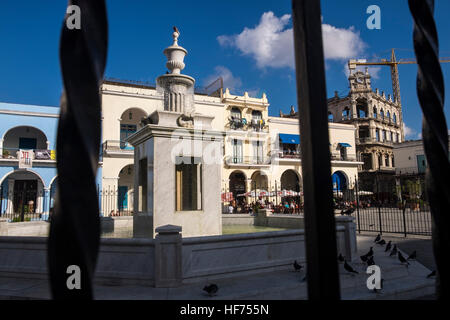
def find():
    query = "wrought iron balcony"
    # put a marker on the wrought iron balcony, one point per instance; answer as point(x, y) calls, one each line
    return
point(247, 161)
point(368, 140)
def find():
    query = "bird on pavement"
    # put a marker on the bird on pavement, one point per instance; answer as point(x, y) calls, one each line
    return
point(402, 259)
point(412, 256)
point(367, 255)
point(378, 238)
point(432, 274)
point(370, 261)
point(382, 242)
point(340, 258)
point(394, 251)
point(297, 267)
point(349, 268)
point(211, 289)
point(388, 247)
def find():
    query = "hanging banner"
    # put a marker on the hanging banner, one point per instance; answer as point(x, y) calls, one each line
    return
point(42, 154)
point(25, 159)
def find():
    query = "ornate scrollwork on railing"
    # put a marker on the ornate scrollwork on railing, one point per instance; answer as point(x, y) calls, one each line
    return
point(430, 90)
point(75, 226)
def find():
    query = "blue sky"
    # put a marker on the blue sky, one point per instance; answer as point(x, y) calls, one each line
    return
point(247, 42)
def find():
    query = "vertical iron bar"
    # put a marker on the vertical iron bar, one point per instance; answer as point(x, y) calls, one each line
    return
point(357, 204)
point(320, 227)
point(431, 90)
point(75, 228)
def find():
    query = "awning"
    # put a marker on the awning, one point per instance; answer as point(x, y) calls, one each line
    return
point(290, 138)
point(345, 145)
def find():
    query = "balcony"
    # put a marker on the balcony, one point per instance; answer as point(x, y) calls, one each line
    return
point(247, 161)
point(26, 158)
point(117, 148)
point(339, 157)
point(368, 140)
point(257, 125)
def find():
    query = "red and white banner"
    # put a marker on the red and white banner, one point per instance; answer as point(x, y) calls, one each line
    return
point(25, 159)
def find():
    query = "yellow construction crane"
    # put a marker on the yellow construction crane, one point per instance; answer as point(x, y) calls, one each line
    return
point(393, 63)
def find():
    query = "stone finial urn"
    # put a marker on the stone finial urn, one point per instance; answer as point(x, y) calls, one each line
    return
point(175, 55)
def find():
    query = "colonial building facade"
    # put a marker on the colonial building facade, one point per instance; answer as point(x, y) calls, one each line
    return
point(378, 121)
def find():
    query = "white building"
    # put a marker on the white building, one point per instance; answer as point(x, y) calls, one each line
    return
point(410, 157)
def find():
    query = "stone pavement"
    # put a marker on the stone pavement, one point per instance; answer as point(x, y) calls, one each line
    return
point(400, 283)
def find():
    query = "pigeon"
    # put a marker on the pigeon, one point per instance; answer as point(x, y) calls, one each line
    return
point(297, 267)
point(340, 258)
point(412, 256)
point(176, 30)
point(378, 238)
point(402, 259)
point(388, 247)
point(349, 268)
point(381, 242)
point(370, 261)
point(432, 274)
point(367, 255)
point(211, 289)
point(394, 251)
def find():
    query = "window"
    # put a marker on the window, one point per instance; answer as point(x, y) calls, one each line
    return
point(346, 114)
point(256, 115)
point(393, 163)
point(27, 143)
point(382, 114)
point(330, 117)
point(258, 152)
point(384, 135)
point(380, 160)
point(126, 130)
point(142, 181)
point(392, 136)
point(377, 134)
point(388, 115)
point(386, 160)
point(343, 152)
point(375, 112)
point(237, 151)
point(236, 113)
point(188, 184)
point(394, 118)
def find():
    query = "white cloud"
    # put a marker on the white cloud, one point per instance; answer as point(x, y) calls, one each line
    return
point(409, 132)
point(271, 43)
point(229, 81)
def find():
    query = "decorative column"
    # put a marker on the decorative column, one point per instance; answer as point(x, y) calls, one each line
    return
point(39, 198)
point(10, 208)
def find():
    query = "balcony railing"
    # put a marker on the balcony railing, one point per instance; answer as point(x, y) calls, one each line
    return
point(33, 154)
point(369, 140)
point(338, 157)
point(117, 146)
point(242, 124)
point(230, 160)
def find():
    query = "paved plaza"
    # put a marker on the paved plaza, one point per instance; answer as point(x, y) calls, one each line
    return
point(400, 282)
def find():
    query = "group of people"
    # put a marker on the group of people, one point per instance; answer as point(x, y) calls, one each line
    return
point(286, 207)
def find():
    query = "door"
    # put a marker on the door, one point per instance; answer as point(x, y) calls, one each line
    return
point(27, 143)
point(24, 201)
point(123, 198)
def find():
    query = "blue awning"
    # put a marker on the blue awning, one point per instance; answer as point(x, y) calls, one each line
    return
point(345, 145)
point(290, 138)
